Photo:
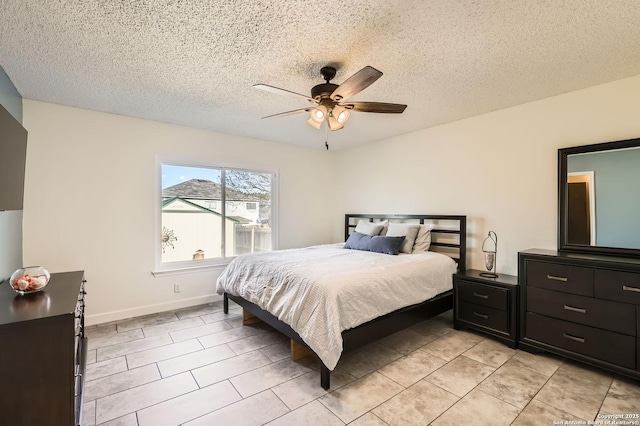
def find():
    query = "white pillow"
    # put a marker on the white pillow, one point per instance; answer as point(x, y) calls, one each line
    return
point(406, 230)
point(370, 228)
point(423, 240)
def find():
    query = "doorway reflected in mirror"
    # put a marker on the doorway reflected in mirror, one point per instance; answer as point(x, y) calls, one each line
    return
point(581, 206)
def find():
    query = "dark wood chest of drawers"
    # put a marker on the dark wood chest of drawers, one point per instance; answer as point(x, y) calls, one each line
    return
point(43, 353)
point(486, 304)
point(583, 307)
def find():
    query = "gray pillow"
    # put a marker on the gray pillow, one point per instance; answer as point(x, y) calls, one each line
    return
point(408, 230)
point(378, 244)
point(423, 240)
point(370, 228)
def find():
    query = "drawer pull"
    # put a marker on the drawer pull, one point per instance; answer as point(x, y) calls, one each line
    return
point(574, 338)
point(555, 278)
point(481, 315)
point(483, 296)
point(627, 288)
point(571, 308)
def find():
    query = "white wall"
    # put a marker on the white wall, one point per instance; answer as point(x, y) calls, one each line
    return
point(499, 169)
point(86, 169)
point(90, 201)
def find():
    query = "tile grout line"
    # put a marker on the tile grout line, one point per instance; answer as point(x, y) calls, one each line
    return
point(538, 391)
point(460, 398)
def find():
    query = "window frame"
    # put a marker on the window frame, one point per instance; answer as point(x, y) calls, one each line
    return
point(186, 266)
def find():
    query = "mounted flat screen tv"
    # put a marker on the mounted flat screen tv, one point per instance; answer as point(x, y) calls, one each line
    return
point(13, 153)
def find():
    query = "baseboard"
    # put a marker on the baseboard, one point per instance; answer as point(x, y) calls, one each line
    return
point(149, 309)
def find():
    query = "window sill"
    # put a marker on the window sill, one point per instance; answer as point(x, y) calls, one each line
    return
point(188, 270)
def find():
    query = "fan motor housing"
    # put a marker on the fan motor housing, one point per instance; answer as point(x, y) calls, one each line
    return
point(323, 90)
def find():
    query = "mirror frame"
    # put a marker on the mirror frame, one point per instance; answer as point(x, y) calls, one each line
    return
point(563, 246)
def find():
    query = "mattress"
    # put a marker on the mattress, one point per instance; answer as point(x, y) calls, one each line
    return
point(320, 291)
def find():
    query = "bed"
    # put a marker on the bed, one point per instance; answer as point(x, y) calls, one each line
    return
point(330, 300)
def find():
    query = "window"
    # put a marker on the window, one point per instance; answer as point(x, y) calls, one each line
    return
point(205, 214)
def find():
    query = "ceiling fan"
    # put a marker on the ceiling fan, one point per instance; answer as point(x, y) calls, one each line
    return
point(330, 100)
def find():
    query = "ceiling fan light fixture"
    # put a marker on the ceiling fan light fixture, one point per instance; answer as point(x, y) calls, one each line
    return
point(327, 97)
point(334, 124)
point(341, 114)
point(314, 123)
point(318, 114)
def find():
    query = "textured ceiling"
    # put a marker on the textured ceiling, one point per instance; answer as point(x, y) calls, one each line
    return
point(194, 62)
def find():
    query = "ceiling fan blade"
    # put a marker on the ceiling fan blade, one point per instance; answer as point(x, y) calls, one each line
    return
point(380, 107)
point(279, 91)
point(356, 83)
point(284, 114)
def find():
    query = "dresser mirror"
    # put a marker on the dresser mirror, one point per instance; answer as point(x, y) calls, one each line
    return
point(599, 198)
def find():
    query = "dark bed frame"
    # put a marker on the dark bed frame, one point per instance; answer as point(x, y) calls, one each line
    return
point(446, 227)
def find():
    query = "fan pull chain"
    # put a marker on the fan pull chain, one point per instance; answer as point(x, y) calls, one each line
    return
point(326, 138)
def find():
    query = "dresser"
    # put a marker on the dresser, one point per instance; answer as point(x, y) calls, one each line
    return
point(488, 305)
point(581, 306)
point(43, 353)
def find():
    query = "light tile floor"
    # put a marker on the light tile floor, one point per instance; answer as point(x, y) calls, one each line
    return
point(198, 366)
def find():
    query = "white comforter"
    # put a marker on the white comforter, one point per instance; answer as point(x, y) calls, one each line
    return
point(322, 290)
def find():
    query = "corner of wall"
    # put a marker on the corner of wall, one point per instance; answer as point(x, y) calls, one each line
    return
point(9, 96)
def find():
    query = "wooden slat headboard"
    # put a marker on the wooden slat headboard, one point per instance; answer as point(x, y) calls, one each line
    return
point(448, 236)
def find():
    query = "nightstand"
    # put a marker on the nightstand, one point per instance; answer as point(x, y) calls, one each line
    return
point(487, 305)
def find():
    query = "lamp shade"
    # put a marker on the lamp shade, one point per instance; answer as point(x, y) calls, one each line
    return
point(314, 123)
point(341, 114)
point(318, 115)
point(333, 123)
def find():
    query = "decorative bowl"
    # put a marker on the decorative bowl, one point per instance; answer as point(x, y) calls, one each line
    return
point(30, 279)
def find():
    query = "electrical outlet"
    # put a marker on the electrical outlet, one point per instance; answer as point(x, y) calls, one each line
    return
point(176, 288)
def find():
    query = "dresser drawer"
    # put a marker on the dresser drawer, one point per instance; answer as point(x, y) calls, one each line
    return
point(613, 316)
point(483, 295)
point(565, 278)
point(481, 315)
point(581, 339)
point(616, 285)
